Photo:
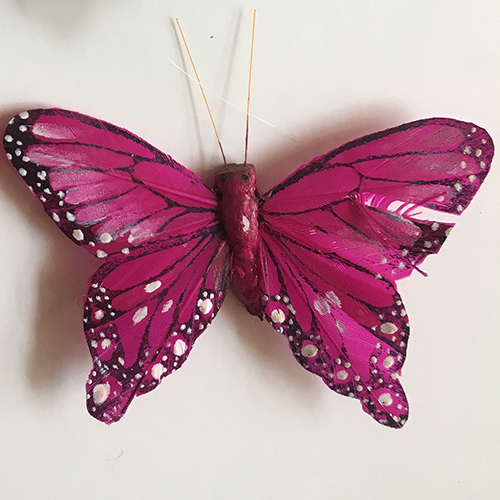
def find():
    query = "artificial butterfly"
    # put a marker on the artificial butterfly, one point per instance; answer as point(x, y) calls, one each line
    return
point(317, 256)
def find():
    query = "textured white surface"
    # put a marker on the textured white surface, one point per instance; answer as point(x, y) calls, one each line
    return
point(242, 420)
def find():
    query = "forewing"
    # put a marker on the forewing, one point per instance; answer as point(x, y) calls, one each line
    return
point(144, 313)
point(438, 162)
point(362, 200)
point(106, 188)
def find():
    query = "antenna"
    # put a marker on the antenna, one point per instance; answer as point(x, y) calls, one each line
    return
point(202, 91)
point(249, 86)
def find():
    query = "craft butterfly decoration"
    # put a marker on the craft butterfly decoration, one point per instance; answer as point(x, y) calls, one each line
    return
point(317, 256)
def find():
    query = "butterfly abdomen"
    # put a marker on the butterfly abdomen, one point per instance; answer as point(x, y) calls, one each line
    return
point(237, 188)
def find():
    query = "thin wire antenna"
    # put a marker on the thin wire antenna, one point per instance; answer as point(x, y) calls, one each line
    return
point(202, 91)
point(218, 97)
point(249, 87)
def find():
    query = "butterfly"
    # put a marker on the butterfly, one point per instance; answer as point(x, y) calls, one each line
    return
point(317, 256)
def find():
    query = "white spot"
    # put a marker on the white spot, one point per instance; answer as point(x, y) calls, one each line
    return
point(246, 224)
point(359, 388)
point(9, 156)
point(472, 178)
point(101, 254)
point(427, 244)
point(342, 374)
point(179, 347)
point(8, 138)
point(440, 199)
point(383, 260)
point(388, 362)
point(206, 306)
point(333, 299)
point(467, 150)
point(125, 251)
point(140, 314)
point(385, 399)
point(101, 393)
point(473, 129)
point(105, 344)
point(23, 171)
point(321, 305)
point(478, 153)
point(151, 287)
point(157, 371)
point(42, 175)
point(23, 128)
point(388, 328)
point(99, 314)
point(70, 216)
point(448, 231)
point(463, 164)
point(309, 350)
point(106, 238)
point(482, 164)
point(78, 234)
point(278, 316)
point(460, 208)
point(166, 307)
point(265, 298)
point(458, 187)
point(435, 226)
point(24, 115)
point(17, 152)
point(121, 361)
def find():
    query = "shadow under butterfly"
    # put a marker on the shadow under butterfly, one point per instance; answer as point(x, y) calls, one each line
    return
point(317, 256)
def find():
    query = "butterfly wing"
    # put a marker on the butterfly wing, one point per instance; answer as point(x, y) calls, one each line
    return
point(144, 312)
point(104, 187)
point(339, 231)
point(154, 224)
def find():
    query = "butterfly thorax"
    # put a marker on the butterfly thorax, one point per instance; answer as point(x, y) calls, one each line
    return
point(237, 188)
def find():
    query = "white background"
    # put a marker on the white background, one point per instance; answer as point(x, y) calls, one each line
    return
point(242, 420)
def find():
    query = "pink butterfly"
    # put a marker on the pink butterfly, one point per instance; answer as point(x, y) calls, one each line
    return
point(317, 256)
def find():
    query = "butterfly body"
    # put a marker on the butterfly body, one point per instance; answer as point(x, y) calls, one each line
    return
point(238, 194)
point(317, 257)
